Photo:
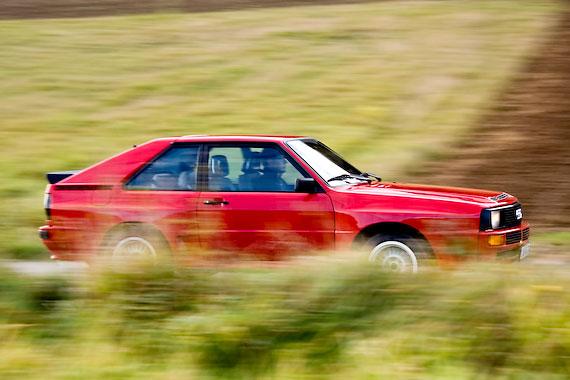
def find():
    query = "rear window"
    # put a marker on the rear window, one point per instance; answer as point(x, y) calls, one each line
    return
point(174, 170)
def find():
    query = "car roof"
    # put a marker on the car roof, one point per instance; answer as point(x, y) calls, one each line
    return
point(218, 138)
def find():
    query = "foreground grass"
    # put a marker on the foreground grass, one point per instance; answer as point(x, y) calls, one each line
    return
point(336, 321)
point(387, 84)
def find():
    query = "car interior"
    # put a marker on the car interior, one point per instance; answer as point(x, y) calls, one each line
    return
point(247, 169)
point(229, 169)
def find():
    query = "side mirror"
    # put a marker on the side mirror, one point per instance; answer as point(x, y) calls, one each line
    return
point(306, 185)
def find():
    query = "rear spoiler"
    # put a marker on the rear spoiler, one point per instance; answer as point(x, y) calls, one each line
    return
point(55, 177)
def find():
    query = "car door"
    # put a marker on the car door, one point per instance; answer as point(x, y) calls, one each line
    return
point(249, 203)
point(164, 194)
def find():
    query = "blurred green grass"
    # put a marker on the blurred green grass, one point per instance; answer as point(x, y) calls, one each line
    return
point(554, 238)
point(331, 320)
point(387, 84)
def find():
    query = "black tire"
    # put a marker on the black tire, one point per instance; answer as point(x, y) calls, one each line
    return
point(399, 253)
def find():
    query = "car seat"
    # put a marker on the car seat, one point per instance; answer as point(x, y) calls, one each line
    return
point(187, 177)
point(251, 172)
point(164, 181)
point(219, 169)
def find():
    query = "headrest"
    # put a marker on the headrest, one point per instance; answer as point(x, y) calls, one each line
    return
point(273, 161)
point(219, 166)
point(252, 164)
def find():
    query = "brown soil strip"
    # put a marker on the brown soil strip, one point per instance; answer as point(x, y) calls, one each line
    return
point(20, 9)
point(523, 145)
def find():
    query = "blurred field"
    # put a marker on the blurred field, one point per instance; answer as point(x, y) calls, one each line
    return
point(387, 84)
point(331, 320)
point(523, 142)
point(17, 9)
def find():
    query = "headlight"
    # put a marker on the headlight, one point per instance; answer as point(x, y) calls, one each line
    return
point(490, 219)
point(501, 217)
point(495, 219)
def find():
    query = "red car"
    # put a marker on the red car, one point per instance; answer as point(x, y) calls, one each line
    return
point(271, 196)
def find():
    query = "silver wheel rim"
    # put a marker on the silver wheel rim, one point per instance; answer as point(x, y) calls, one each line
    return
point(134, 247)
point(394, 256)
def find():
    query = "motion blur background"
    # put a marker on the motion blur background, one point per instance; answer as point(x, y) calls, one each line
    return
point(470, 93)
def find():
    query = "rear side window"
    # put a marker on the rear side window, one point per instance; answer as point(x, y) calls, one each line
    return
point(174, 170)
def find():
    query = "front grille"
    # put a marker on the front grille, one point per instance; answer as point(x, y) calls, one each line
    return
point(509, 216)
point(514, 237)
point(517, 236)
point(526, 233)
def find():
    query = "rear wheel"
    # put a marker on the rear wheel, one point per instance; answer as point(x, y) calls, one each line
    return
point(401, 254)
point(134, 247)
point(135, 243)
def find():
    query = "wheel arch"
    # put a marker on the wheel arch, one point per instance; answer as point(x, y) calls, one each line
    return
point(390, 228)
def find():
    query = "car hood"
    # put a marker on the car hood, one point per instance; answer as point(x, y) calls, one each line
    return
point(484, 198)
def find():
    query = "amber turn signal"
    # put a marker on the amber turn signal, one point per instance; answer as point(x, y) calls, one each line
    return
point(495, 240)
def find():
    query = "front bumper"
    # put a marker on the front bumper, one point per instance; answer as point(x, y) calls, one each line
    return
point(506, 244)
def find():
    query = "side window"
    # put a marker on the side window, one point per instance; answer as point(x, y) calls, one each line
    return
point(251, 168)
point(173, 170)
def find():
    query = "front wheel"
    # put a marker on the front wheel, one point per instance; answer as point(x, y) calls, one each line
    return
point(399, 254)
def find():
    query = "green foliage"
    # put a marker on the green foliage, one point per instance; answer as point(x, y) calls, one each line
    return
point(336, 320)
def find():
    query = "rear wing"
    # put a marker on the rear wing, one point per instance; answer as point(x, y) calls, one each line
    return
point(55, 177)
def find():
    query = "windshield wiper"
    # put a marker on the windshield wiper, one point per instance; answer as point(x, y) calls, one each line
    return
point(343, 177)
point(370, 175)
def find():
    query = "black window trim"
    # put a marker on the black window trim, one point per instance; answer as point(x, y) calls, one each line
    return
point(202, 175)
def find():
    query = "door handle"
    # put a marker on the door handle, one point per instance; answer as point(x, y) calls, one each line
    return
point(217, 201)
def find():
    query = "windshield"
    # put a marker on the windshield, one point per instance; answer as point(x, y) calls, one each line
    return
point(325, 162)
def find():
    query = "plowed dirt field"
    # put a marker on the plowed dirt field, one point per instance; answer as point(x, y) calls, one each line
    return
point(523, 145)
